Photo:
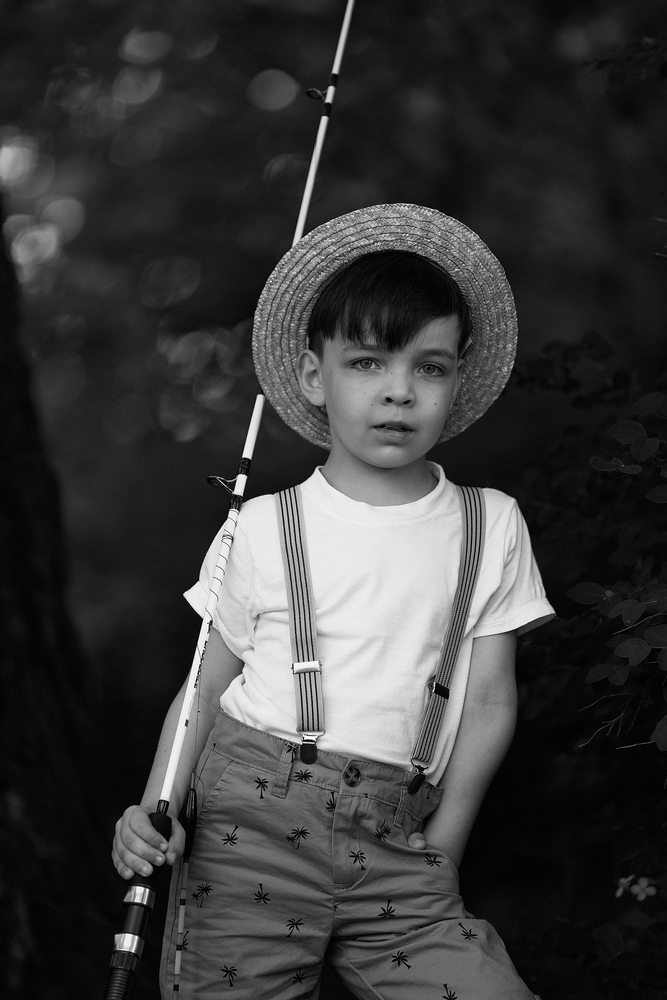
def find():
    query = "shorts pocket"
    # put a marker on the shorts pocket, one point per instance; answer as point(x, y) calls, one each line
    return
point(214, 767)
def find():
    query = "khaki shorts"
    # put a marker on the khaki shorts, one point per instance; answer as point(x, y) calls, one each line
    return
point(292, 861)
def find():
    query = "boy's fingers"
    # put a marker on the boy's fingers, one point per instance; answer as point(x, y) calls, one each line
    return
point(417, 841)
point(176, 843)
point(131, 842)
point(140, 824)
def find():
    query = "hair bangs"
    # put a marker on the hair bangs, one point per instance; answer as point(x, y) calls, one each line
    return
point(387, 297)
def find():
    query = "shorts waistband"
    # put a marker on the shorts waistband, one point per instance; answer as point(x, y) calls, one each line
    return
point(337, 772)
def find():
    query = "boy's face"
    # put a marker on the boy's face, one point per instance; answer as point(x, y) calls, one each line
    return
point(385, 409)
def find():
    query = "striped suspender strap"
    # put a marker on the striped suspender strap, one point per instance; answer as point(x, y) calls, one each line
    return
point(306, 666)
point(473, 518)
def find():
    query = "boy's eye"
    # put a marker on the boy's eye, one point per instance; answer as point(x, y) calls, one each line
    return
point(364, 364)
point(432, 369)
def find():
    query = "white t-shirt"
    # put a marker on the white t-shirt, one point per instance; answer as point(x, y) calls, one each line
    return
point(384, 580)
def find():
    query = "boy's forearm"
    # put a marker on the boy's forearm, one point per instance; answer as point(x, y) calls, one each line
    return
point(483, 741)
point(195, 739)
point(219, 667)
point(484, 736)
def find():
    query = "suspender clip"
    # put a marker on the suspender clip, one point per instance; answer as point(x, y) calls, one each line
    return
point(308, 749)
point(436, 688)
point(418, 780)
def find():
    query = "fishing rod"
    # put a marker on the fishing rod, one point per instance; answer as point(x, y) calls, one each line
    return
point(140, 896)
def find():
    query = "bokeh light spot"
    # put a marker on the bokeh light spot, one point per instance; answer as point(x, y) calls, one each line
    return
point(136, 86)
point(134, 145)
point(61, 379)
point(68, 214)
point(145, 46)
point(34, 246)
point(213, 392)
point(189, 353)
point(168, 281)
point(18, 159)
point(180, 416)
point(272, 90)
point(202, 48)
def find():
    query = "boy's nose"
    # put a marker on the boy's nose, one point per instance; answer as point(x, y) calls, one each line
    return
point(398, 389)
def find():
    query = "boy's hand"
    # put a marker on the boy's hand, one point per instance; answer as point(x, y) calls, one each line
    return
point(418, 841)
point(137, 845)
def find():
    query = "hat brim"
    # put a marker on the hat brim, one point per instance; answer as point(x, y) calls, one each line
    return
point(280, 327)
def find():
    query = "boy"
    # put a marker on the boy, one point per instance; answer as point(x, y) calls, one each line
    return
point(378, 335)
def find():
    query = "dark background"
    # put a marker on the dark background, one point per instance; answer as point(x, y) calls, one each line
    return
point(152, 157)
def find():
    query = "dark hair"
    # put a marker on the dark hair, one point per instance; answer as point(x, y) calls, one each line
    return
point(390, 294)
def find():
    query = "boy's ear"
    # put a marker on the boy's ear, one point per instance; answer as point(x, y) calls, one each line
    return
point(309, 374)
point(459, 373)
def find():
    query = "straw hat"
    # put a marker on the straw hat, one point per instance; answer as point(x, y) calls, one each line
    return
point(281, 319)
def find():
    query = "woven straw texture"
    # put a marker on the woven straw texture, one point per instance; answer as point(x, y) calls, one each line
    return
point(281, 319)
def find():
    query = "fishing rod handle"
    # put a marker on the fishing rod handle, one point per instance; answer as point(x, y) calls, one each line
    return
point(138, 901)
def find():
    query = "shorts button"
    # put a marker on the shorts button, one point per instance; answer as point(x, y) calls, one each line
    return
point(351, 776)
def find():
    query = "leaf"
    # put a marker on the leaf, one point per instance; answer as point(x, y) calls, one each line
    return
point(627, 430)
point(662, 663)
point(658, 494)
point(607, 604)
point(659, 734)
point(619, 676)
point(649, 403)
point(632, 615)
point(586, 593)
point(599, 672)
point(656, 636)
point(631, 470)
point(615, 641)
point(602, 465)
point(634, 650)
point(643, 448)
point(623, 606)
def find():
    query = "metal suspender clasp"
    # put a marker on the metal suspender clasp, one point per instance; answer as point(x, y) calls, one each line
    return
point(308, 748)
point(302, 668)
point(436, 688)
point(418, 779)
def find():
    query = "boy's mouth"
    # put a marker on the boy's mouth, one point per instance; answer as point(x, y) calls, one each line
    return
point(394, 426)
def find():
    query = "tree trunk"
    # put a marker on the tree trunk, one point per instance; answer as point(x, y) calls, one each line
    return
point(49, 855)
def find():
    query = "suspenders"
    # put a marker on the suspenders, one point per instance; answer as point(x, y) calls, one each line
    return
point(306, 666)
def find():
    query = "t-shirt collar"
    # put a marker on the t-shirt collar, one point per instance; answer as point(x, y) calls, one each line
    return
point(342, 506)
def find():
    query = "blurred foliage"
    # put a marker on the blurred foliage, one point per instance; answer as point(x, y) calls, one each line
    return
point(597, 679)
point(152, 157)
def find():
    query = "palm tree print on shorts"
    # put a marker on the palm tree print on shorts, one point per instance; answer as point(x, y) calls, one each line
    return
point(298, 976)
point(229, 972)
point(400, 958)
point(260, 896)
point(262, 785)
point(387, 911)
point(448, 994)
point(231, 838)
point(358, 857)
point(331, 803)
point(432, 859)
point(296, 836)
point(382, 831)
point(303, 775)
point(293, 925)
point(203, 889)
point(467, 932)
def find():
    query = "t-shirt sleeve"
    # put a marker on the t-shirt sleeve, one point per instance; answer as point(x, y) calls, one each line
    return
point(232, 616)
point(519, 601)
